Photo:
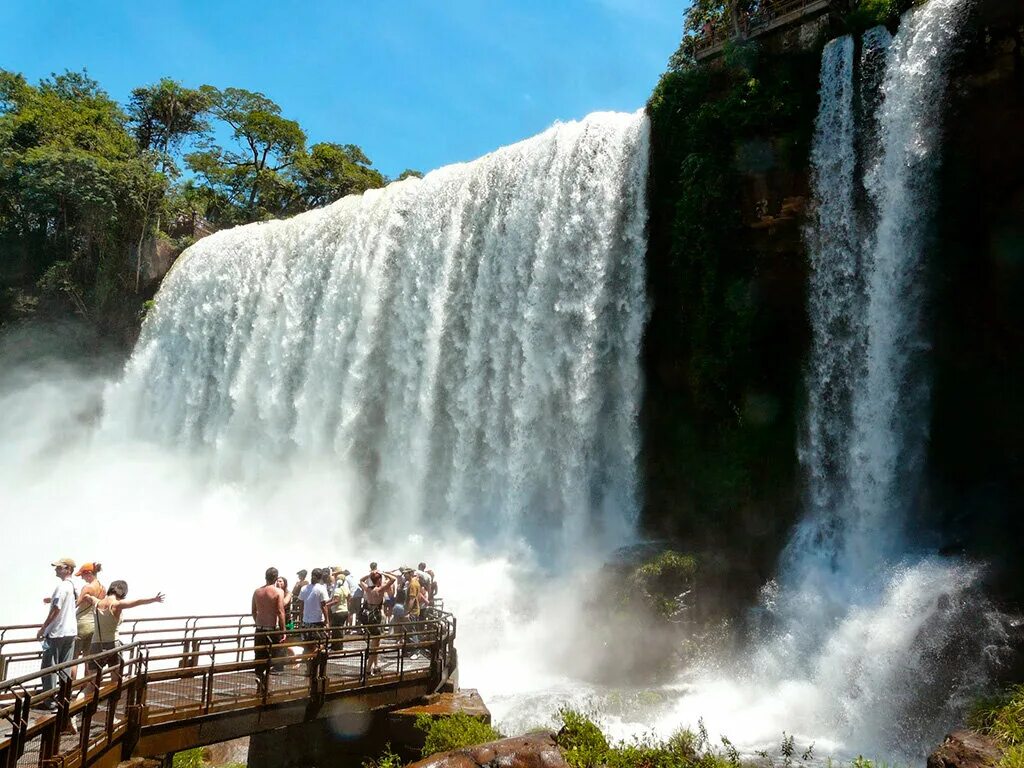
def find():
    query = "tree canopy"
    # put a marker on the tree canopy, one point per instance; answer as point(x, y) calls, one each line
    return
point(88, 186)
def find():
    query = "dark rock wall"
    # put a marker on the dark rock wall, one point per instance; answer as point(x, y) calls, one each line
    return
point(977, 430)
point(720, 453)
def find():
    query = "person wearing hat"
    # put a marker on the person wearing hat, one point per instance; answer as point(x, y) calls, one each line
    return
point(60, 629)
point(85, 617)
point(339, 602)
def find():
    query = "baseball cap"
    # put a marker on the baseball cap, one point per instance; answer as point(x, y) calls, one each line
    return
point(86, 568)
point(65, 561)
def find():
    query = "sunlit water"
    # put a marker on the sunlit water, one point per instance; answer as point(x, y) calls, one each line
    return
point(448, 370)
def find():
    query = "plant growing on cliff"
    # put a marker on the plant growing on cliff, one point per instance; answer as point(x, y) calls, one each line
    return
point(387, 759)
point(1002, 718)
point(454, 732)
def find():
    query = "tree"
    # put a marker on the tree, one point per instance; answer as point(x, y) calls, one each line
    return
point(331, 171)
point(166, 114)
point(73, 186)
point(409, 173)
point(250, 174)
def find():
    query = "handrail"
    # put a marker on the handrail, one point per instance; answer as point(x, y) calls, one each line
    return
point(755, 23)
point(335, 663)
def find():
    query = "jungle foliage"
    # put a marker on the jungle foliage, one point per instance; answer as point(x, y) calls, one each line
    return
point(454, 732)
point(728, 331)
point(86, 183)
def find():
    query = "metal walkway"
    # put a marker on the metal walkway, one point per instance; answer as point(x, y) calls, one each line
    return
point(770, 16)
point(183, 682)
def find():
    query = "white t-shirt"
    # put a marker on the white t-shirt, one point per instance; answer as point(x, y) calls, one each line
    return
point(313, 596)
point(65, 624)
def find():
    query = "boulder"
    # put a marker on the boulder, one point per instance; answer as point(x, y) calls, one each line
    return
point(536, 750)
point(966, 749)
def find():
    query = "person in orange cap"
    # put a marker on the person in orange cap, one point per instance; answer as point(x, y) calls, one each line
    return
point(84, 613)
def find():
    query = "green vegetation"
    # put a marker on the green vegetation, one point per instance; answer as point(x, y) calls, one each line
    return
point(188, 758)
point(585, 746)
point(1002, 718)
point(453, 732)
point(387, 759)
point(196, 758)
point(728, 331)
point(88, 188)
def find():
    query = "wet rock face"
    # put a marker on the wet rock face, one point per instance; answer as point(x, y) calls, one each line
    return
point(965, 749)
point(537, 750)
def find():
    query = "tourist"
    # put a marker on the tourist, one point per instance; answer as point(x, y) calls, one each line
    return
point(339, 602)
point(375, 586)
point(84, 613)
point(428, 582)
point(282, 584)
point(268, 615)
point(355, 597)
point(108, 619)
point(315, 610)
point(59, 630)
point(300, 584)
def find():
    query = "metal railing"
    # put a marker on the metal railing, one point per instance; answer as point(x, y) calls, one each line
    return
point(204, 666)
point(766, 16)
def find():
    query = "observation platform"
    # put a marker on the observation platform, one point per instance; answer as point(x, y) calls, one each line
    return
point(770, 17)
point(185, 682)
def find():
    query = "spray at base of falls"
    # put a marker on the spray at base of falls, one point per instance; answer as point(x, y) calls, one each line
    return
point(444, 355)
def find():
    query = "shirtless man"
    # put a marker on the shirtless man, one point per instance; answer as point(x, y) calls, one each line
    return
point(268, 614)
point(375, 586)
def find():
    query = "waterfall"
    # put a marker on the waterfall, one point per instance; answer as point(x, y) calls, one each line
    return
point(466, 344)
point(889, 639)
point(872, 173)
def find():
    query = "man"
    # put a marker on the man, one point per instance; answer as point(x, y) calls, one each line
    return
point(355, 596)
point(315, 609)
point(60, 629)
point(375, 586)
point(428, 582)
point(268, 614)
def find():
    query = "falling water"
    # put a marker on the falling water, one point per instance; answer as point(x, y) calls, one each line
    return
point(888, 639)
point(466, 344)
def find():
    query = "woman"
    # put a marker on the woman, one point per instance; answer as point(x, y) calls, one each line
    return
point(83, 606)
point(107, 613)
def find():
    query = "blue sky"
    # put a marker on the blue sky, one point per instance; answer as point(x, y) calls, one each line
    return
point(416, 84)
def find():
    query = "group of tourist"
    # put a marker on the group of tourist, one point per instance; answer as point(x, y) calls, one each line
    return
point(83, 622)
point(332, 599)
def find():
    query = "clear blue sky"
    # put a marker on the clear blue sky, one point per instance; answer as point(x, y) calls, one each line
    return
point(417, 84)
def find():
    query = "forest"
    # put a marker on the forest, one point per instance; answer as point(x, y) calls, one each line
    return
point(95, 195)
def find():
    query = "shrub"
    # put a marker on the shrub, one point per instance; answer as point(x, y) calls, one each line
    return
point(584, 744)
point(453, 732)
point(387, 759)
point(188, 758)
point(1001, 717)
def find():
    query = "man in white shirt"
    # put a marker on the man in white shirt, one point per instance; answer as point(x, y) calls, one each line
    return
point(59, 630)
point(316, 605)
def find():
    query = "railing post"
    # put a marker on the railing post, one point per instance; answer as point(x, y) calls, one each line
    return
point(20, 725)
point(208, 676)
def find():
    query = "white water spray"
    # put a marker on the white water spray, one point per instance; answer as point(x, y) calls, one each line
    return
point(466, 344)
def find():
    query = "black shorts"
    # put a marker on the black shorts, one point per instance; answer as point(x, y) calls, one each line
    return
point(370, 616)
point(314, 631)
point(110, 660)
